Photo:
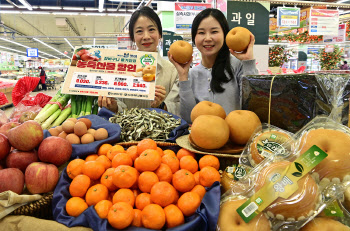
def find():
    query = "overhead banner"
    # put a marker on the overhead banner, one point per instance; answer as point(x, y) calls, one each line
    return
point(185, 12)
point(288, 17)
point(169, 38)
point(252, 15)
point(116, 73)
point(324, 22)
point(336, 39)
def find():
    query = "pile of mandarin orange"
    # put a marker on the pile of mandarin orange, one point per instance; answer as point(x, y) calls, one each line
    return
point(143, 186)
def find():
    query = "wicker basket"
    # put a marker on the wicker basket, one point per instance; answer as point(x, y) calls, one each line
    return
point(40, 209)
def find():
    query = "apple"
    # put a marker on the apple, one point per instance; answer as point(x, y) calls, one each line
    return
point(6, 127)
point(242, 124)
point(11, 179)
point(5, 146)
point(207, 108)
point(238, 39)
point(41, 177)
point(181, 51)
point(21, 159)
point(26, 136)
point(55, 150)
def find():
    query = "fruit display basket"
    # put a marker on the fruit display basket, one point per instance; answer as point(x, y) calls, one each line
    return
point(41, 208)
point(205, 217)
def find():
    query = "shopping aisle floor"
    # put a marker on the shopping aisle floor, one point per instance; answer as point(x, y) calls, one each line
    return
point(49, 92)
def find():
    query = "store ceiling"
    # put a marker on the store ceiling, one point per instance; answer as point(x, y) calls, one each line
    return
point(51, 26)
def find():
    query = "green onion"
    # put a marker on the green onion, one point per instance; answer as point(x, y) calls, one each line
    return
point(52, 118)
point(88, 108)
point(73, 104)
point(51, 110)
point(54, 99)
point(62, 117)
point(83, 107)
point(78, 99)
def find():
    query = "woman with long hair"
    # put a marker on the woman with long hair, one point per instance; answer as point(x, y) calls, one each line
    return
point(217, 77)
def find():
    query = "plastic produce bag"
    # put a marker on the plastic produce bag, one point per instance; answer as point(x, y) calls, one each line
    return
point(317, 189)
point(295, 100)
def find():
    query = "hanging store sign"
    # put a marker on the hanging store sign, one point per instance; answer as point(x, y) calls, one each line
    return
point(116, 73)
point(324, 22)
point(336, 39)
point(252, 15)
point(32, 52)
point(185, 12)
point(288, 17)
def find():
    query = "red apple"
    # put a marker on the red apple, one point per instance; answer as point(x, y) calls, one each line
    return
point(26, 136)
point(11, 179)
point(55, 150)
point(6, 127)
point(5, 146)
point(20, 159)
point(41, 177)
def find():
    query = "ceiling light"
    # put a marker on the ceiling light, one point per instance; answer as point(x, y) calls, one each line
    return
point(117, 14)
point(125, 1)
point(6, 6)
point(65, 13)
point(342, 1)
point(23, 7)
point(92, 9)
point(35, 12)
point(100, 5)
point(73, 8)
point(13, 50)
point(26, 4)
point(10, 41)
point(50, 47)
point(10, 12)
point(112, 10)
point(94, 14)
point(94, 41)
point(68, 43)
point(51, 7)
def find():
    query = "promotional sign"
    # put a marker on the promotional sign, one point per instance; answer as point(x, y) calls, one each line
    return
point(32, 52)
point(336, 39)
point(329, 48)
point(252, 15)
point(323, 22)
point(169, 38)
point(115, 73)
point(124, 43)
point(313, 50)
point(288, 17)
point(185, 12)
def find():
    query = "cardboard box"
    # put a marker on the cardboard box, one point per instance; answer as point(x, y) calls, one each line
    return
point(295, 99)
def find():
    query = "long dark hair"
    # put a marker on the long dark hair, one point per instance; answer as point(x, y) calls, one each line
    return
point(222, 61)
point(147, 12)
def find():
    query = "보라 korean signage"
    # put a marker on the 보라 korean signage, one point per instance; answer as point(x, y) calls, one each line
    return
point(185, 12)
point(111, 72)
